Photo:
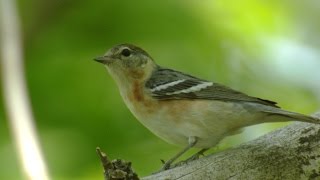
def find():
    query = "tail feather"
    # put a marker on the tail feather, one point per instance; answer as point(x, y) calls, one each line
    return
point(293, 116)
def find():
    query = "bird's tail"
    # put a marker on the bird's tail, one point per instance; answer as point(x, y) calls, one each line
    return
point(283, 115)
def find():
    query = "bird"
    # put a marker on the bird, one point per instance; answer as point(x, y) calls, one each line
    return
point(182, 109)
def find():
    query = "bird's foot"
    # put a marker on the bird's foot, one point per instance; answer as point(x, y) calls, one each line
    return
point(190, 159)
point(165, 166)
point(195, 156)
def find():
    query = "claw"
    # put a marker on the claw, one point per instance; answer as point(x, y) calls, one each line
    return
point(162, 161)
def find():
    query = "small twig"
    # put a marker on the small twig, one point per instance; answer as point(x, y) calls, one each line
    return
point(116, 169)
point(104, 160)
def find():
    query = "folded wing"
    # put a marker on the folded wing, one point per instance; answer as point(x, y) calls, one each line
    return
point(167, 84)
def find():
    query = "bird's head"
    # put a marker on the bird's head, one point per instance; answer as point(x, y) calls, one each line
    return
point(126, 62)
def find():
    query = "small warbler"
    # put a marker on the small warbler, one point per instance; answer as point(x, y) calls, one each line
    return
point(183, 109)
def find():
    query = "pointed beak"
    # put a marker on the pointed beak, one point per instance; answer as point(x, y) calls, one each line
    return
point(103, 59)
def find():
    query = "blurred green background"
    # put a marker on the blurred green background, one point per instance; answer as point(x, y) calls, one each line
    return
point(268, 49)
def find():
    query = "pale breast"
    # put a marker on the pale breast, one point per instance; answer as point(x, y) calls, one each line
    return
point(176, 120)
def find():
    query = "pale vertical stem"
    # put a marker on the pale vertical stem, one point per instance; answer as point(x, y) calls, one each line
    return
point(16, 97)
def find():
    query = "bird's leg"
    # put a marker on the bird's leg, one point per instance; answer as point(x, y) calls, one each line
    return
point(192, 158)
point(197, 155)
point(192, 141)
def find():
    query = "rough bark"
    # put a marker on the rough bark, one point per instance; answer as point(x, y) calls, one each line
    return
point(116, 169)
point(292, 152)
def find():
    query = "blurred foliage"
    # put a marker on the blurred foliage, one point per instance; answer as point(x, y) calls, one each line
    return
point(77, 105)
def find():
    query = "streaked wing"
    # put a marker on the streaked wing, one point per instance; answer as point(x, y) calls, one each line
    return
point(167, 84)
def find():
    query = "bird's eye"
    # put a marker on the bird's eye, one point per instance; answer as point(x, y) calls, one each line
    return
point(126, 52)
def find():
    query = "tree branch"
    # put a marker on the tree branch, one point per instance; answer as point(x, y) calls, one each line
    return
point(292, 152)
